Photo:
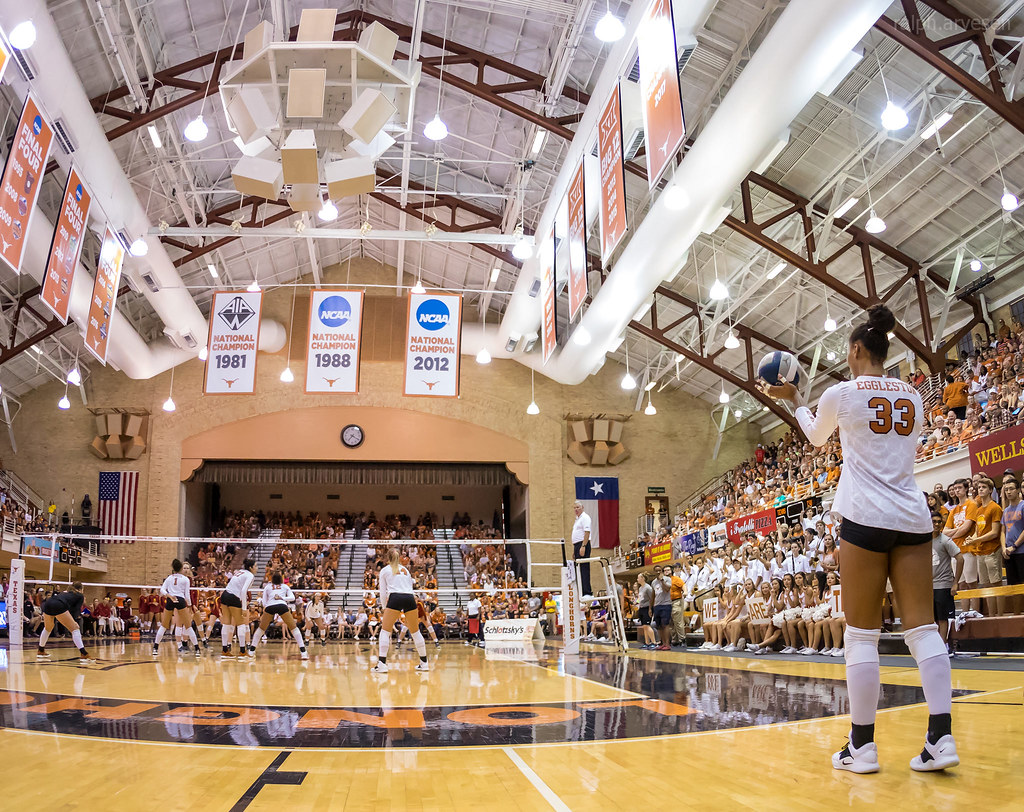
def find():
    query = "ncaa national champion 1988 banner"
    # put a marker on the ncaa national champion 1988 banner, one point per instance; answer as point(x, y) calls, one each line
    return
point(66, 247)
point(104, 295)
point(433, 344)
point(234, 337)
point(332, 346)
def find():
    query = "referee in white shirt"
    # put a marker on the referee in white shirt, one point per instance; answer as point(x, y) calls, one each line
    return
point(581, 545)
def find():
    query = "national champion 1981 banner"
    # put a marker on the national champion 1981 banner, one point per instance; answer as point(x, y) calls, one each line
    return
point(19, 186)
point(577, 242)
point(234, 338)
point(66, 247)
point(548, 323)
point(333, 341)
point(433, 344)
point(613, 177)
point(664, 128)
point(104, 295)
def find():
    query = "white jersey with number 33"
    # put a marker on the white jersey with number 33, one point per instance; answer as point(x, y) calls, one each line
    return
point(879, 421)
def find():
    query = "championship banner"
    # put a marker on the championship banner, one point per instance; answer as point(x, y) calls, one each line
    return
point(548, 324)
point(613, 177)
point(19, 186)
point(333, 341)
point(993, 454)
point(657, 553)
point(5, 58)
point(104, 295)
point(66, 247)
point(762, 523)
point(577, 242)
point(234, 337)
point(433, 344)
point(664, 127)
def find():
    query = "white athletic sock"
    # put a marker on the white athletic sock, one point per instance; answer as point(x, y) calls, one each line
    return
point(863, 677)
point(420, 643)
point(932, 658)
point(44, 637)
point(159, 634)
point(256, 638)
point(383, 644)
point(225, 635)
point(243, 633)
point(76, 637)
point(192, 636)
point(297, 634)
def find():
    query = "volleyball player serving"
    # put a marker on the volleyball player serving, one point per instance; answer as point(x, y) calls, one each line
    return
point(64, 607)
point(277, 596)
point(886, 532)
point(175, 592)
point(233, 604)
point(397, 595)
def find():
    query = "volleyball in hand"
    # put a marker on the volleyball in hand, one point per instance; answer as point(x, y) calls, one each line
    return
point(779, 366)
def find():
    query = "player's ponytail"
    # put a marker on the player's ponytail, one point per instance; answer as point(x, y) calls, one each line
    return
point(873, 335)
point(394, 558)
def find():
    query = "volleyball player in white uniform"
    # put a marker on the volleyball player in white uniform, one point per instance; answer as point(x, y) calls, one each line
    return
point(397, 595)
point(317, 614)
point(175, 593)
point(234, 603)
point(277, 596)
point(886, 532)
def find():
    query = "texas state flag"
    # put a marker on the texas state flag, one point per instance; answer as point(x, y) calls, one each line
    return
point(600, 498)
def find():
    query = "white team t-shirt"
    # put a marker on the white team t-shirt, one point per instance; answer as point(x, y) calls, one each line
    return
point(580, 527)
point(239, 585)
point(176, 586)
point(879, 420)
point(277, 594)
point(391, 581)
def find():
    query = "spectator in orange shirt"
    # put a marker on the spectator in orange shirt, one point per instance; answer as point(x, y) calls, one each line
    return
point(677, 592)
point(983, 564)
point(954, 396)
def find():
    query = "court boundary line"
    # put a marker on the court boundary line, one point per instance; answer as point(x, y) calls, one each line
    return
point(538, 783)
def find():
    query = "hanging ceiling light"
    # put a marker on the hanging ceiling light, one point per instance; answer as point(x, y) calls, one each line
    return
point(74, 377)
point(737, 413)
point(718, 290)
point(894, 117)
point(976, 265)
point(830, 356)
point(731, 340)
point(581, 337)
point(724, 396)
point(418, 287)
point(328, 211)
point(609, 28)
point(286, 375)
point(23, 35)
point(676, 198)
point(63, 403)
point(523, 248)
point(628, 382)
point(139, 247)
point(533, 408)
point(830, 324)
point(254, 287)
point(875, 224)
point(483, 357)
point(169, 404)
point(436, 130)
point(650, 406)
point(1009, 200)
point(203, 353)
point(196, 130)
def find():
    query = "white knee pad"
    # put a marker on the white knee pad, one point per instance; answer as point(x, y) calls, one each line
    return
point(861, 645)
point(925, 642)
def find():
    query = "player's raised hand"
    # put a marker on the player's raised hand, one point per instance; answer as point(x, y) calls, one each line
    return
point(783, 390)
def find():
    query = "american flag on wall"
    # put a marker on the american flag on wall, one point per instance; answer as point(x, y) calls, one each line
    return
point(119, 493)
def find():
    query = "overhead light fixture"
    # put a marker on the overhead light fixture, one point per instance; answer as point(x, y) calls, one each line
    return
point(628, 382)
point(680, 357)
point(533, 408)
point(203, 353)
point(328, 211)
point(650, 410)
point(609, 28)
point(254, 287)
point(139, 247)
point(830, 356)
point(436, 130)
point(154, 136)
point(23, 36)
point(737, 413)
point(731, 340)
point(724, 396)
point(764, 408)
point(976, 265)
point(650, 385)
point(937, 123)
point(894, 117)
point(418, 287)
point(538, 142)
point(169, 404)
point(495, 274)
point(523, 248)
point(676, 197)
point(286, 375)
point(581, 336)
point(875, 224)
point(196, 130)
point(848, 204)
point(718, 291)
point(63, 403)
point(74, 377)
point(890, 336)
point(830, 324)
point(213, 271)
point(779, 268)
point(1009, 200)
point(483, 357)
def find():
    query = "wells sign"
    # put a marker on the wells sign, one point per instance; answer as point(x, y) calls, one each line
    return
point(993, 454)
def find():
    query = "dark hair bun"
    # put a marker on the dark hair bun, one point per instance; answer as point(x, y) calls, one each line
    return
point(881, 318)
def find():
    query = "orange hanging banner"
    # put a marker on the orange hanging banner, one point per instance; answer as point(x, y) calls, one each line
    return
point(577, 241)
point(66, 247)
point(19, 186)
point(613, 178)
point(5, 58)
point(664, 127)
point(104, 295)
point(547, 295)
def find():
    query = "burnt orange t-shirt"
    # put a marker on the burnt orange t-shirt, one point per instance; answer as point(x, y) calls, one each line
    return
point(985, 518)
point(955, 394)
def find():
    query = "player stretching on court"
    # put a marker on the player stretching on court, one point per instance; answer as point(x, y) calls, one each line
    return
point(886, 532)
point(397, 595)
point(175, 592)
point(65, 607)
point(277, 595)
point(233, 602)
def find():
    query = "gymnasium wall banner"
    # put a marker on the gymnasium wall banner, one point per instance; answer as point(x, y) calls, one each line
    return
point(762, 523)
point(234, 337)
point(66, 247)
point(333, 341)
point(695, 542)
point(19, 185)
point(613, 177)
point(993, 454)
point(548, 324)
point(664, 127)
point(5, 58)
point(104, 295)
point(657, 553)
point(577, 242)
point(433, 344)
point(717, 536)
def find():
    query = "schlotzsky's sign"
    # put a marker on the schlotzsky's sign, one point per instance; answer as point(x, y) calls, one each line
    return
point(993, 454)
point(762, 523)
point(521, 630)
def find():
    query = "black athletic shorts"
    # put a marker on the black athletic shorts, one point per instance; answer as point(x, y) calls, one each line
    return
point(171, 603)
point(645, 616)
point(277, 609)
point(943, 604)
point(230, 599)
point(54, 607)
point(879, 539)
point(402, 602)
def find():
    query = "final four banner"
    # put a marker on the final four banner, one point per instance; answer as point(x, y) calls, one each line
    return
point(66, 247)
point(332, 346)
point(104, 295)
point(433, 344)
point(234, 337)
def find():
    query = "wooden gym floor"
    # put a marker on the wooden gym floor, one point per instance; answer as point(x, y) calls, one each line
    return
point(506, 728)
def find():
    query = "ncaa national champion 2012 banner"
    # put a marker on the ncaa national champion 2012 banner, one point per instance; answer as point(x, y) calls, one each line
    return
point(613, 176)
point(664, 129)
point(19, 186)
point(433, 344)
point(104, 295)
point(577, 242)
point(234, 337)
point(333, 341)
point(66, 247)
